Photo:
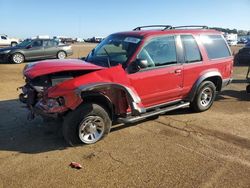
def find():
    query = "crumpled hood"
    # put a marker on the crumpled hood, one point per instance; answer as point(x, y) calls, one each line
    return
point(40, 68)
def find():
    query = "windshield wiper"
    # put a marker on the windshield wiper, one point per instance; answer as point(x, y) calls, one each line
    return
point(108, 56)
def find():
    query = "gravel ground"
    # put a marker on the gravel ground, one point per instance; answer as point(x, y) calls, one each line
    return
point(179, 149)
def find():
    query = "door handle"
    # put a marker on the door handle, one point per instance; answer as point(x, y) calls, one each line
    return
point(177, 71)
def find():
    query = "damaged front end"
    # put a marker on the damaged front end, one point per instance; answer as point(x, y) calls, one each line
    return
point(40, 77)
point(53, 90)
point(34, 95)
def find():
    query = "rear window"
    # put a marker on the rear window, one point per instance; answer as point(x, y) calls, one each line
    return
point(216, 46)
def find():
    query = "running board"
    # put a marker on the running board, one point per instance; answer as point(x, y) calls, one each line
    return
point(143, 116)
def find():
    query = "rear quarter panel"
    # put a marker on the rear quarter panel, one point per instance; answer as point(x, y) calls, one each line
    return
point(193, 71)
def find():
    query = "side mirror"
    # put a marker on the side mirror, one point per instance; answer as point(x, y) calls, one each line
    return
point(83, 58)
point(137, 65)
point(28, 47)
point(142, 63)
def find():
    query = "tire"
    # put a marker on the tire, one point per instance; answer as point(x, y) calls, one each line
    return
point(204, 97)
point(13, 44)
point(61, 55)
point(88, 124)
point(17, 58)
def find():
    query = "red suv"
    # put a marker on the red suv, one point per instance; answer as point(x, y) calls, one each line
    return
point(128, 77)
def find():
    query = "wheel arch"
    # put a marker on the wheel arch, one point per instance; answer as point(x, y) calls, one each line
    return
point(133, 100)
point(213, 76)
point(100, 99)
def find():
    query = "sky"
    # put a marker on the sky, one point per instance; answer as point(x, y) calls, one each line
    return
point(88, 18)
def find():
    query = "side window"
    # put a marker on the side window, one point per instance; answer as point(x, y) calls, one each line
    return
point(159, 51)
point(45, 43)
point(49, 43)
point(37, 43)
point(3, 37)
point(191, 49)
point(55, 43)
point(215, 46)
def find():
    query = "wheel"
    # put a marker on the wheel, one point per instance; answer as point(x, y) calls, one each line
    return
point(204, 97)
point(13, 44)
point(88, 124)
point(61, 55)
point(17, 58)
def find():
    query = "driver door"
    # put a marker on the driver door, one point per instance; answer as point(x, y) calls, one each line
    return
point(35, 50)
point(161, 80)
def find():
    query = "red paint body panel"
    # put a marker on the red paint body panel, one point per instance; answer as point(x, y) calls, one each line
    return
point(158, 86)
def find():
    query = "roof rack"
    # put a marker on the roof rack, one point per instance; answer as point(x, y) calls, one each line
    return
point(191, 26)
point(165, 27)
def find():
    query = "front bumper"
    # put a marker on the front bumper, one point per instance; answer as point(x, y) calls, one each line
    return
point(4, 58)
point(45, 107)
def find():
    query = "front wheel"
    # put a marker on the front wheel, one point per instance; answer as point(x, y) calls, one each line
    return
point(17, 58)
point(88, 124)
point(204, 97)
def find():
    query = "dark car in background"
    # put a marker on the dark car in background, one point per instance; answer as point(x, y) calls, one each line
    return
point(31, 49)
point(243, 56)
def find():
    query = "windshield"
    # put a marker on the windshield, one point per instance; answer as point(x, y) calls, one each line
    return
point(114, 50)
point(25, 43)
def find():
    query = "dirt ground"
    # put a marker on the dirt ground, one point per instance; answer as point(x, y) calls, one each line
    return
point(179, 149)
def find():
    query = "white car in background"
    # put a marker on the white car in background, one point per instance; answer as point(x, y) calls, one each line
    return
point(6, 41)
point(232, 42)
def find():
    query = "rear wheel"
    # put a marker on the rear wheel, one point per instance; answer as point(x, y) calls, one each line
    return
point(17, 58)
point(204, 97)
point(88, 124)
point(61, 55)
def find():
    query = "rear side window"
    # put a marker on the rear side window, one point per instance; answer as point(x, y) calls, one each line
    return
point(192, 52)
point(216, 46)
point(50, 43)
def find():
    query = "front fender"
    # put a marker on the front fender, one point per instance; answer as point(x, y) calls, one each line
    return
point(133, 99)
point(110, 78)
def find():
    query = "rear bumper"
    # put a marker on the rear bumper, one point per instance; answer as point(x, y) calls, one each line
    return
point(69, 52)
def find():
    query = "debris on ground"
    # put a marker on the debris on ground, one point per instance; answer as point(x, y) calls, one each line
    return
point(75, 165)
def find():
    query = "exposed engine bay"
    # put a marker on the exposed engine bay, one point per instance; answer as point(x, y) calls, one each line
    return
point(34, 91)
